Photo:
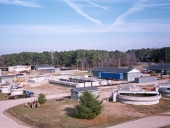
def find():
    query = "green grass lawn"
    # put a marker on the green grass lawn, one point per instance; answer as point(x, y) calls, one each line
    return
point(61, 114)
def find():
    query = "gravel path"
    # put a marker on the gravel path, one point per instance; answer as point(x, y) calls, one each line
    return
point(6, 122)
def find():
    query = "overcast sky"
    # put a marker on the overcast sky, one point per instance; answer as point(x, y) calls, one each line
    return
point(63, 25)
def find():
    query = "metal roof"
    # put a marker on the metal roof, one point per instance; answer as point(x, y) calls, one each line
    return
point(115, 70)
point(92, 88)
point(162, 66)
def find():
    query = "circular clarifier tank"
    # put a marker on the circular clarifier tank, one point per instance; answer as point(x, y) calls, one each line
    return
point(139, 98)
point(165, 91)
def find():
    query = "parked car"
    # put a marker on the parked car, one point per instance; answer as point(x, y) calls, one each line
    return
point(144, 71)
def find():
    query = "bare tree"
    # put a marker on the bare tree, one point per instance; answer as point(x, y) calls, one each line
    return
point(131, 58)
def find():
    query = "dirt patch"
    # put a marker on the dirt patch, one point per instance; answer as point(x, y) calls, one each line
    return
point(168, 126)
point(49, 89)
point(3, 96)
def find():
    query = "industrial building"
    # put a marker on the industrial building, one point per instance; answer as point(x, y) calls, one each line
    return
point(46, 68)
point(160, 68)
point(19, 68)
point(129, 74)
point(76, 92)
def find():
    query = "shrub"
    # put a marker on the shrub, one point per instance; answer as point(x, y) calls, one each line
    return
point(42, 98)
point(89, 106)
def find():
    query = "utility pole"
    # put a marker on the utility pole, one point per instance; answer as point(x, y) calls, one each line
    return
point(82, 63)
point(52, 57)
point(166, 56)
point(101, 62)
point(77, 64)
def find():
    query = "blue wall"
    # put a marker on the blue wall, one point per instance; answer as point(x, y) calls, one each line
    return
point(110, 75)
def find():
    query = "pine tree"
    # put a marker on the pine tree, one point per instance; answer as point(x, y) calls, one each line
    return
point(89, 106)
point(42, 98)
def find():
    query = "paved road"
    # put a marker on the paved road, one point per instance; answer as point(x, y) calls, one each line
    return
point(6, 122)
point(147, 122)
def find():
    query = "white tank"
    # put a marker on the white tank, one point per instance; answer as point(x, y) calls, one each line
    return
point(5, 88)
point(18, 91)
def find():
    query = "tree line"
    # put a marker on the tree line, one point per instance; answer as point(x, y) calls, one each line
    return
point(84, 59)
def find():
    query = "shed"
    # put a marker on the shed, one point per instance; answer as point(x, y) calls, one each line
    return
point(129, 74)
point(76, 92)
point(146, 79)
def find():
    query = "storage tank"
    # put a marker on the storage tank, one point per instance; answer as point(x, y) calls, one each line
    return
point(17, 91)
point(110, 75)
point(5, 88)
point(165, 91)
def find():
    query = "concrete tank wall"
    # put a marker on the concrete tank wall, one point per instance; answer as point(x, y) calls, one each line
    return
point(18, 91)
point(165, 91)
point(104, 82)
point(96, 83)
point(87, 84)
point(80, 85)
point(5, 88)
point(150, 100)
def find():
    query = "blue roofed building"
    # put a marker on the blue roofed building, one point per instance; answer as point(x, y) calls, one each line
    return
point(129, 74)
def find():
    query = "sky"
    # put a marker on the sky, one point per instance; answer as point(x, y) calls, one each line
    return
point(64, 25)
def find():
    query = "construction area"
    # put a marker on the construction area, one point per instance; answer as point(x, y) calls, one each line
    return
point(119, 95)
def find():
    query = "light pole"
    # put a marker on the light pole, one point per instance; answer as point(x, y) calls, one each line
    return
point(77, 64)
point(147, 58)
point(119, 62)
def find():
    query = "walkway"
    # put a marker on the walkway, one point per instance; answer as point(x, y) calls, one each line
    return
point(147, 122)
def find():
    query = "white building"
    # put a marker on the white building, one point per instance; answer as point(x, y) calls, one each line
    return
point(19, 68)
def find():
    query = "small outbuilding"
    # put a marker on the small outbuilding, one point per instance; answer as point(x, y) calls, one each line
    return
point(129, 74)
point(146, 79)
point(76, 92)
